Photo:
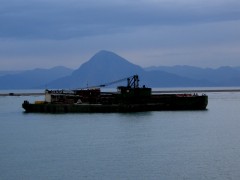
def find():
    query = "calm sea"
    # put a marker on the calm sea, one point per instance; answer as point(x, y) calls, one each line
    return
point(197, 145)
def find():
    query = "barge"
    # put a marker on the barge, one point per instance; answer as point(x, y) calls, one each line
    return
point(130, 98)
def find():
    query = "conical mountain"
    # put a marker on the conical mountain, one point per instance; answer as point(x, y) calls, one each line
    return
point(103, 67)
point(106, 66)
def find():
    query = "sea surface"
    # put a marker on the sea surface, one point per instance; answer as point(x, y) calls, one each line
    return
point(166, 145)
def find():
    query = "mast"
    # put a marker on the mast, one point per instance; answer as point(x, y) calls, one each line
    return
point(133, 81)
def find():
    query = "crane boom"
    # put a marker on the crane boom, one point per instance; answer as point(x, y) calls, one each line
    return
point(132, 81)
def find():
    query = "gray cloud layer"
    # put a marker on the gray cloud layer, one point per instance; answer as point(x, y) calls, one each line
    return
point(46, 33)
point(71, 19)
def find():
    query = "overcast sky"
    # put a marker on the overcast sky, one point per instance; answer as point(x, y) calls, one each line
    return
point(48, 33)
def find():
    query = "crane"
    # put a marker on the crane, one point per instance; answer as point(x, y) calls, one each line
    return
point(132, 82)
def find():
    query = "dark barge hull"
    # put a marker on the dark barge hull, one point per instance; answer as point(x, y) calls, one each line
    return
point(157, 103)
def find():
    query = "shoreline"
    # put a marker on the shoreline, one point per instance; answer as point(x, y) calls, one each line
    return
point(154, 92)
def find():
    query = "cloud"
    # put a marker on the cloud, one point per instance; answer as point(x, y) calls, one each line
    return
point(35, 19)
point(205, 45)
point(47, 33)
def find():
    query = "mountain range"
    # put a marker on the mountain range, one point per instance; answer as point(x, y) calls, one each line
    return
point(31, 79)
point(107, 66)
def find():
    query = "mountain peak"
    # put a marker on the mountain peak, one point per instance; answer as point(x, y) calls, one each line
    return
point(105, 52)
point(105, 66)
point(104, 56)
point(104, 59)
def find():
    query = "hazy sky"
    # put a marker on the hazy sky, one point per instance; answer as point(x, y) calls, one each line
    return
point(48, 33)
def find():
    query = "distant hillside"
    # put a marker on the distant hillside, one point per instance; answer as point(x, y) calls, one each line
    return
point(3, 73)
point(32, 79)
point(107, 66)
point(103, 67)
point(223, 76)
